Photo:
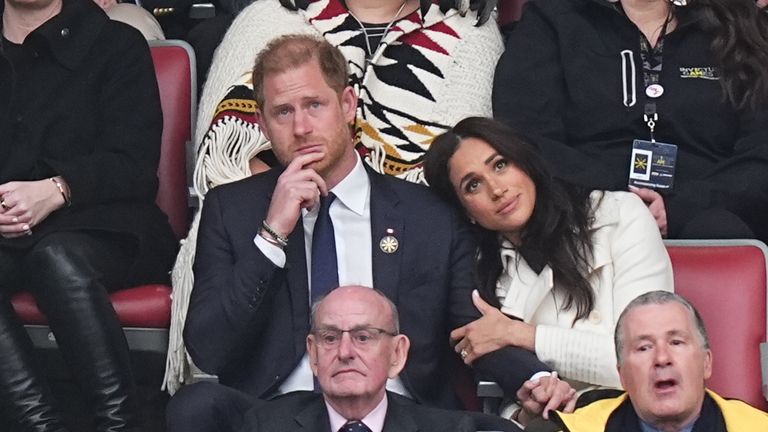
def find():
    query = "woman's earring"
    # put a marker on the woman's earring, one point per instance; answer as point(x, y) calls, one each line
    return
point(679, 3)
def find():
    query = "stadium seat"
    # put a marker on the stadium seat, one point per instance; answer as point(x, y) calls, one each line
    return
point(726, 281)
point(145, 311)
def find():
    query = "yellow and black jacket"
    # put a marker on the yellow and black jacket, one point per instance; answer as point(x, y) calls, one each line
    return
point(617, 415)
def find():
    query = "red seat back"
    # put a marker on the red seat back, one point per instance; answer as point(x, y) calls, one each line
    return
point(174, 66)
point(726, 282)
point(509, 11)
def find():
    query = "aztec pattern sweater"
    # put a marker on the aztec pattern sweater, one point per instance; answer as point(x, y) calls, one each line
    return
point(431, 70)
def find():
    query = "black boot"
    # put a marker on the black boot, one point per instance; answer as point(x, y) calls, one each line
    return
point(68, 285)
point(25, 399)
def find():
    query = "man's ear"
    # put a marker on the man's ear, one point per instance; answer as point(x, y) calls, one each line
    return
point(707, 364)
point(260, 121)
point(621, 377)
point(349, 104)
point(400, 346)
point(312, 351)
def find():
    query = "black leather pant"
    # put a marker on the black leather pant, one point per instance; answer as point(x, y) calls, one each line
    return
point(67, 273)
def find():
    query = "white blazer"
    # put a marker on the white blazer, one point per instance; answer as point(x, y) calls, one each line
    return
point(629, 259)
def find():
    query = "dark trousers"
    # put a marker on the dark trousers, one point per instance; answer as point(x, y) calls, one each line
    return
point(205, 37)
point(717, 224)
point(69, 274)
point(208, 407)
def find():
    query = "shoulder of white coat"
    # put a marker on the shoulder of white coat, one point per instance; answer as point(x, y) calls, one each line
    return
point(614, 207)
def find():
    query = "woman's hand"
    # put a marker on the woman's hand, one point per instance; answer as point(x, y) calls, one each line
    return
point(538, 397)
point(25, 204)
point(492, 331)
point(761, 3)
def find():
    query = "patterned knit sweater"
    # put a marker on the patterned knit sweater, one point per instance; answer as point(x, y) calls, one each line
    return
point(431, 70)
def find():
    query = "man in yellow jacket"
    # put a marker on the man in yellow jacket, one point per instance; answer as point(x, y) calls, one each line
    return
point(663, 357)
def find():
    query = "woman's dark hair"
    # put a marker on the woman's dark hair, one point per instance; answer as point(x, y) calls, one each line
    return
point(740, 45)
point(557, 233)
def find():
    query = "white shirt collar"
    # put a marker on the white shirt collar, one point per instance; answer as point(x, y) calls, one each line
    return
point(353, 189)
point(374, 419)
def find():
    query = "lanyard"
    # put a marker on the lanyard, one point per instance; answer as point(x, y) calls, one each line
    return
point(652, 63)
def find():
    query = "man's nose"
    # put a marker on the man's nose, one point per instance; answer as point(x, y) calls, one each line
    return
point(346, 347)
point(301, 123)
point(662, 357)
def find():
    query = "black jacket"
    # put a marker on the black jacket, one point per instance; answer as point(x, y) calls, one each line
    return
point(306, 412)
point(560, 82)
point(81, 101)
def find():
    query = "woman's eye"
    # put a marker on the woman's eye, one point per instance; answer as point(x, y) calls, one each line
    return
point(472, 186)
point(500, 164)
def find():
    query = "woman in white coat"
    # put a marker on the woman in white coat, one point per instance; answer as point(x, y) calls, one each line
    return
point(556, 265)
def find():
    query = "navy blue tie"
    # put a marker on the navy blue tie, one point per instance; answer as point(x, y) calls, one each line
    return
point(325, 270)
point(355, 426)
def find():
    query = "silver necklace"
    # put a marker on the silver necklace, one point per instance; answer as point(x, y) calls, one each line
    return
point(370, 52)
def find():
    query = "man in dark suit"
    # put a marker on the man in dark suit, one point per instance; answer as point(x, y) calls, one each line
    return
point(354, 345)
point(261, 256)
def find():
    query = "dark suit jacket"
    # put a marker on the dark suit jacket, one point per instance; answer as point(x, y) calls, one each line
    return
point(306, 411)
point(248, 319)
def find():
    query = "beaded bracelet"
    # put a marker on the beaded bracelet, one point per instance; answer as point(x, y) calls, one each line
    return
point(60, 186)
point(269, 239)
point(282, 240)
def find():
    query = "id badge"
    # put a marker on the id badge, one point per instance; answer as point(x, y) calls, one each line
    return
point(652, 165)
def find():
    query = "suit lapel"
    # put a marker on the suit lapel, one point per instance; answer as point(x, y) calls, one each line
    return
point(398, 418)
point(314, 417)
point(386, 223)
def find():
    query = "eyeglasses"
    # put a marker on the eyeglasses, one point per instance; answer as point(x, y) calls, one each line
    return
point(361, 337)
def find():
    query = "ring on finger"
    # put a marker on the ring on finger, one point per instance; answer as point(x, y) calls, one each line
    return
point(464, 353)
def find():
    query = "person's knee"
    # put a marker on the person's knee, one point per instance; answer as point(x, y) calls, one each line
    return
point(716, 223)
point(189, 406)
point(206, 406)
point(61, 258)
point(76, 260)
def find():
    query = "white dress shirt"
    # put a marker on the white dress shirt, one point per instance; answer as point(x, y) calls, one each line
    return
point(351, 217)
point(374, 419)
